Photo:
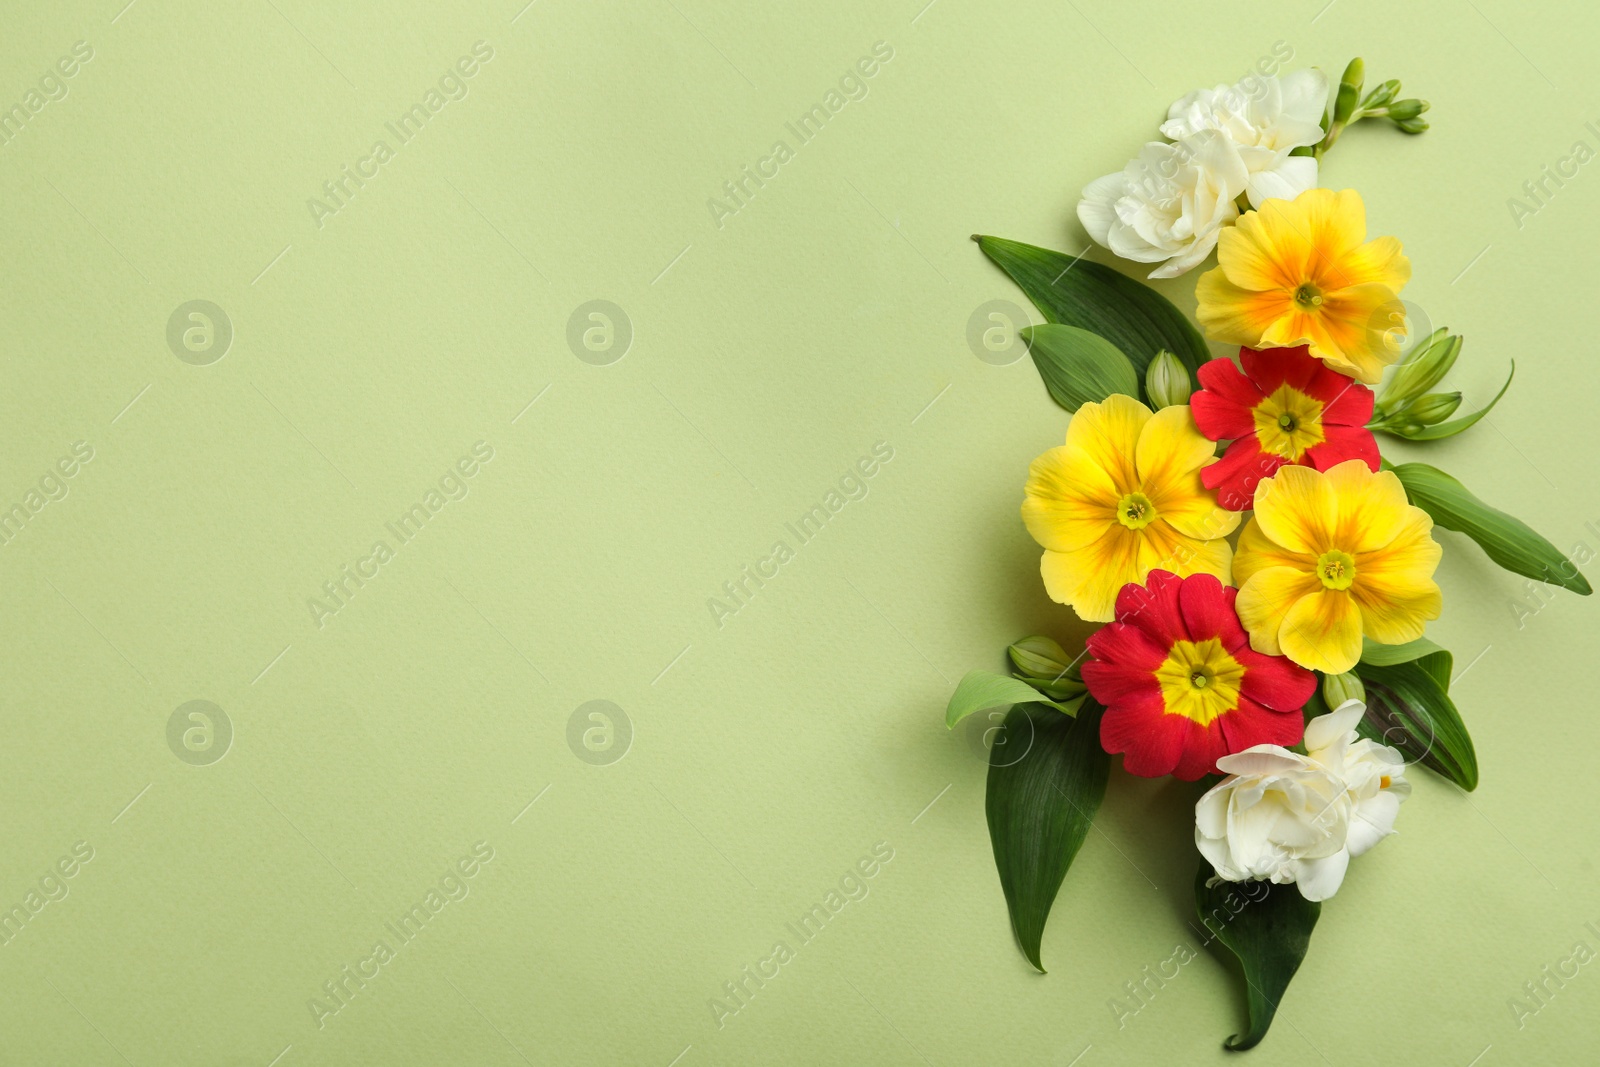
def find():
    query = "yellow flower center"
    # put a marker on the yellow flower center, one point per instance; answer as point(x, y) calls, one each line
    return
point(1288, 423)
point(1135, 511)
point(1308, 297)
point(1199, 680)
point(1336, 569)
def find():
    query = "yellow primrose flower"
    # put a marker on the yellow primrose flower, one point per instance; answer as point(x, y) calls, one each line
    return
point(1329, 556)
point(1121, 498)
point(1296, 272)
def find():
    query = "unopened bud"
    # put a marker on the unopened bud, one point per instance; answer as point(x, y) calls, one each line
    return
point(1166, 381)
point(1407, 109)
point(1435, 407)
point(1381, 95)
point(1039, 657)
point(1349, 91)
point(1338, 688)
point(1424, 367)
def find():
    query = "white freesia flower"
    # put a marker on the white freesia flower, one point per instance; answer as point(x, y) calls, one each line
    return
point(1265, 118)
point(1292, 818)
point(1373, 773)
point(1169, 203)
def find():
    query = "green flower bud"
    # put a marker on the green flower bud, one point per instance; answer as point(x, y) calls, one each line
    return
point(1381, 95)
point(1412, 125)
point(1166, 381)
point(1039, 657)
point(1406, 109)
point(1338, 688)
point(1349, 91)
point(1046, 666)
point(1435, 407)
point(1425, 365)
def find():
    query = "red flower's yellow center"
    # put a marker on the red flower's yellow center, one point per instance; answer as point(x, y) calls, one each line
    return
point(1288, 423)
point(1199, 680)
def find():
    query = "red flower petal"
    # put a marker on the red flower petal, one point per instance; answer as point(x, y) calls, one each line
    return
point(1274, 681)
point(1251, 724)
point(1115, 684)
point(1295, 367)
point(1236, 475)
point(1350, 404)
point(1126, 646)
point(1203, 746)
point(1232, 634)
point(1222, 406)
point(1342, 443)
point(1205, 610)
point(1153, 608)
point(1151, 741)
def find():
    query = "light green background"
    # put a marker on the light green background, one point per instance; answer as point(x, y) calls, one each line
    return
point(768, 754)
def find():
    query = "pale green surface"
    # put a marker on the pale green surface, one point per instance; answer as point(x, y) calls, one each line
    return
point(779, 748)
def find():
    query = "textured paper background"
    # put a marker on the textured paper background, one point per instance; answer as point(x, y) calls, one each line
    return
point(767, 755)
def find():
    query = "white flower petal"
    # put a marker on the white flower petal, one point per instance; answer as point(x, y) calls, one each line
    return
point(1285, 181)
point(1305, 96)
point(1374, 821)
point(1326, 731)
point(1097, 209)
point(1320, 879)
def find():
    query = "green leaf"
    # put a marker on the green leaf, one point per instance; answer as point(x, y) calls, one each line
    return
point(1507, 540)
point(1268, 935)
point(1388, 655)
point(981, 690)
point(1455, 426)
point(1079, 367)
point(1078, 292)
point(1040, 807)
point(1409, 708)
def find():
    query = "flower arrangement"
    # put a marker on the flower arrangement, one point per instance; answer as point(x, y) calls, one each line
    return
point(1263, 574)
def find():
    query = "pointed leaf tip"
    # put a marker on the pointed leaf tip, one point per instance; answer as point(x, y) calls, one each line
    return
point(1047, 776)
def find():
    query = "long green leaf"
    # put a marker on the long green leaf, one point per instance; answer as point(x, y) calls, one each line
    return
point(1409, 708)
point(1268, 935)
point(1455, 426)
point(1079, 367)
point(1040, 808)
point(1078, 292)
point(981, 690)
point(1388, 655)
point(1508, 541)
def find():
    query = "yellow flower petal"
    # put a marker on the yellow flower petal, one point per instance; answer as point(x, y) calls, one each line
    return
point(1361, 329)
point(1171, 448)
point(1372, 507)
point(1235, 316)
point(1265, 601)
point(1335, 224)
point(1322, 631)
point(1297, 510)
point(1265, 249)
point(1069, 500)
point(1394, 586)
point(1378, 262)
point(1088, 579)
point(1257, 552)
point(1171, 452)
point(1107, 434)
point(1169, 549)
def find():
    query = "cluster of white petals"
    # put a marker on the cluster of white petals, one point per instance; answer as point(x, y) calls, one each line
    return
point(1169, 203)
point(1287, 818)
